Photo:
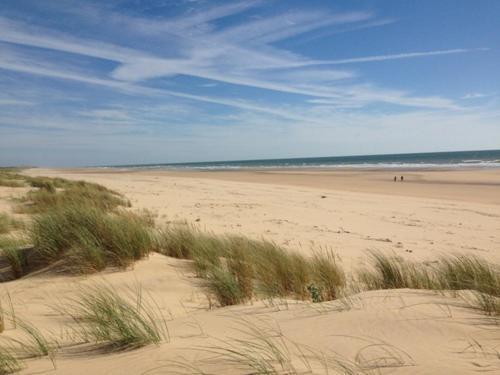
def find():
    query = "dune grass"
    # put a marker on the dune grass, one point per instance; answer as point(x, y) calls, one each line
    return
point(10, 178)
point(116, 322)
point(11, 182)
point(448, 273)
point(34, 343)
point(393, 272)
point(469, 272)
point(8, 362)
point(237, 268)
point(459, 272)
point(327, 276)
point(85, 239)
point(263, 350)
point(8, 223)
point(240, 266)
point(77, 225)
point(12, 249)
point(224, 286)
point(74, 193)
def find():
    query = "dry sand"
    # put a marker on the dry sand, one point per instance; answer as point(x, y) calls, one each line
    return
point(397, 331)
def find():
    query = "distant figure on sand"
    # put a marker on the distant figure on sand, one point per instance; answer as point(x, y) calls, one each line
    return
point(395, 178)
point(402, 178)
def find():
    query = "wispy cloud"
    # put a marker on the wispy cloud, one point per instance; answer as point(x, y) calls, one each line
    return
point(218, 55)
point(400, 56)
point(476, 95)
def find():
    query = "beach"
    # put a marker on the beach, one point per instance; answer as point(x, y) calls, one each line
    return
point(428, 214)
point(350, 213)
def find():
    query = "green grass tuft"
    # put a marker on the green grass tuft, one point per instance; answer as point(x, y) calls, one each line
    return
point(469, 272)
point(11, 182)
point(328, 277)
point(8, 362)
point(86, 239)
point(8, 223)
point(14, 252)
point(392, 272)
point(115, 322)
point(72, 193)
point(224, 286)
point(238, 268)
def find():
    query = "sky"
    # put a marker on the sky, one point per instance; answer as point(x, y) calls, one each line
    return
point(133, 81)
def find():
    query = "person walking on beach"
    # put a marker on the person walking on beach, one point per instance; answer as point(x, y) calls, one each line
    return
point(395, 178)
point(402, 178)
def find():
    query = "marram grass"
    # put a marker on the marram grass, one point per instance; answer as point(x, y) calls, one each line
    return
point(237, 268)
point(86, 238)
point(9, 223)
point(114, 321)
point(13, 251)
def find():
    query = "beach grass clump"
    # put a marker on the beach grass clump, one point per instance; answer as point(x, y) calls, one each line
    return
point(469, 272)
point(224, 286)
point(487, 303)
point(239, 264)
point(13, 251)
point(72, 193)
point(83, 239)
point(10, 178)
point(328, 278)
point(183, 241)
point(278, 272)
point(8, 223)
point(188, 242)
point(463, 272)
point(112, 321)
point(237, 268)
point(393, 272)
point(9, 364)
point(48, 183)
point(11, 182)
point(42, 183)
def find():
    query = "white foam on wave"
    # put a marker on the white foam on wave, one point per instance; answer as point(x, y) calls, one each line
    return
point(463, 164)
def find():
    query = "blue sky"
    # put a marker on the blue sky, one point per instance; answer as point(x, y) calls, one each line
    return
point(131, 81)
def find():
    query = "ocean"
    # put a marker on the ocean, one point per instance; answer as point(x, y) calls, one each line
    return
point(457, 159)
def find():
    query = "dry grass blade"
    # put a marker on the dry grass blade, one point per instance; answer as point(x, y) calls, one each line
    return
point(262, 350)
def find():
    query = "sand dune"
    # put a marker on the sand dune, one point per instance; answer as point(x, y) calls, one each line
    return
point(392, 331)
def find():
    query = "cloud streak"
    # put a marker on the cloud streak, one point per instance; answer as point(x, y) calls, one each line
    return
point(218, 55)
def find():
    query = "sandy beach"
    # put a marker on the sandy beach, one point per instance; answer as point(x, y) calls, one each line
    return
point(430, 214)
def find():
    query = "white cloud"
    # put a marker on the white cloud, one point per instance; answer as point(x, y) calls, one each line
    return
point(476, 95)
point(218, 55)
